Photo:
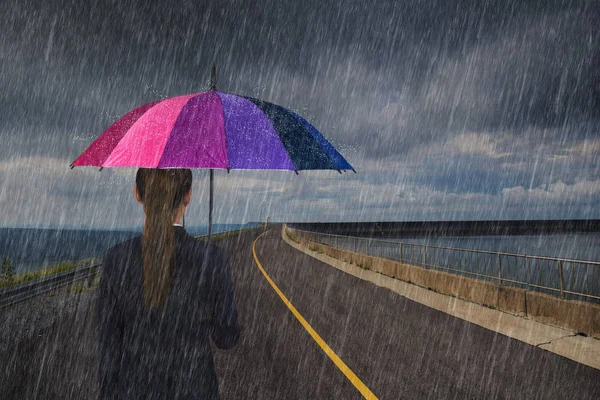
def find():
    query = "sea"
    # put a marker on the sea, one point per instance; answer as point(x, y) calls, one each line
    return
point(575, 246)
point(31, 249)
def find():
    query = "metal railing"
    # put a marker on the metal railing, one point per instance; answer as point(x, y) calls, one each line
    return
point(573, 279)
point(27, 290)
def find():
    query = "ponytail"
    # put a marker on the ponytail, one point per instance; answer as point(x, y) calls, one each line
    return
point(162, 192)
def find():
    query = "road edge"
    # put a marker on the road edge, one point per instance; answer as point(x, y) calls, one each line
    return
point(584, 350)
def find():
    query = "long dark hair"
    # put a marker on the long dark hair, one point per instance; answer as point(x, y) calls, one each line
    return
point(162, 192)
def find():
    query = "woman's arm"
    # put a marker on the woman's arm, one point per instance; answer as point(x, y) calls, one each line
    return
point(110, 328)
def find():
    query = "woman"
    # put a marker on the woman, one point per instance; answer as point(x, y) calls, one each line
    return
point(161, 296)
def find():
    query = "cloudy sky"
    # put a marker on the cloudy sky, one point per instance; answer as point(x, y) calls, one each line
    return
point(448, 110)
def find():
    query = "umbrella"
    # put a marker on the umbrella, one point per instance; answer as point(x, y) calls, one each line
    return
point(213, 130)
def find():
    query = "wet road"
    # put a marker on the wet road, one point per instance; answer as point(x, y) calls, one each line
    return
point(398, 348)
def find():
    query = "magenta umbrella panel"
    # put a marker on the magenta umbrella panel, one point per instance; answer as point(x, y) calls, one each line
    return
point(213, 130)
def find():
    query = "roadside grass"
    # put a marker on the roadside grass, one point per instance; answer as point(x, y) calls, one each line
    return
point(80, 286)
point(55, 269)
point(363, 266)
point(315, 250)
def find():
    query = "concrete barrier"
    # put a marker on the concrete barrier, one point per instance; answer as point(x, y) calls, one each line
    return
point(504, 298)
point(578, 316)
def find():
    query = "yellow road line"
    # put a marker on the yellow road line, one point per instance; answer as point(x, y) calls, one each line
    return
point(362, 388)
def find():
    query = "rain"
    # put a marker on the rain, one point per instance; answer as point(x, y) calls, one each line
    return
point(455, 255)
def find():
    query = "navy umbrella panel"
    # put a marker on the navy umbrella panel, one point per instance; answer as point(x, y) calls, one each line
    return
point(305, 145)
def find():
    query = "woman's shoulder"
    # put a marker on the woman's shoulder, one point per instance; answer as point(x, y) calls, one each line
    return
point(117, 259)
point(202, 249)
point(124, 247)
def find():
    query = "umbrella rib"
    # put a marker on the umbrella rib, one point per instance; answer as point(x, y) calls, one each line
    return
point(224, 131)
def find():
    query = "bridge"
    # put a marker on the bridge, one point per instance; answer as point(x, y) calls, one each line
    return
point(392, 346)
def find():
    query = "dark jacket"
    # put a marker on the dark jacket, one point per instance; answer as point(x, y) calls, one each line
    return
point(164, 353)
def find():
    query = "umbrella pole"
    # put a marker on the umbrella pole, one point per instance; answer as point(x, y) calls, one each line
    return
point(213, 86)
point(210, 206)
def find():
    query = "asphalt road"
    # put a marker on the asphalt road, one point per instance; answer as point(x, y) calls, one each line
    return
point(398, 348)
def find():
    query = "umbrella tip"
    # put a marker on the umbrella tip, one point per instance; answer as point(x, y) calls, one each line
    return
point(296, 172)
point(213, 78)
point(353, 170)
point(100, 169)
point(71, 166)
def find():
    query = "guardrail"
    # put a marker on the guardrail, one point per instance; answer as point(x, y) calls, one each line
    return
point(573, 279)
point(27, 290)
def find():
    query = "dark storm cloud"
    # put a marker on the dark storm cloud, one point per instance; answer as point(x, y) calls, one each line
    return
point(439, 96)
point(535, 69)
point(452, 66)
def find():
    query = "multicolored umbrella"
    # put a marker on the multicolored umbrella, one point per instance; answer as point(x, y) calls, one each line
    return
point(213, 130)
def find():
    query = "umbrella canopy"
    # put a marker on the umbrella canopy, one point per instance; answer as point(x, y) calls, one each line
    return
point(213, 130)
